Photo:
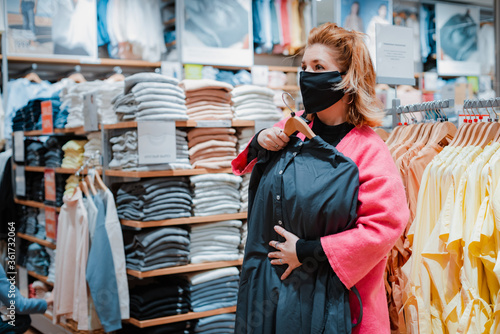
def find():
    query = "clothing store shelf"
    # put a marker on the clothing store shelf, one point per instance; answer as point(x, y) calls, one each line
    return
point(84, 61)
point(39, 277)
point(188, 268)
point(184, 221)
point(36, 240)
point(180, 317)
point(162, 173)
point(58, 170)
point(284, 68)
point(180, 124)
point(33, 204)
point(271, 68)
point(77, 131)
point(72, 326)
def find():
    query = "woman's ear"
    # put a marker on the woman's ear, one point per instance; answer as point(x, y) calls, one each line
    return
point(347, 98)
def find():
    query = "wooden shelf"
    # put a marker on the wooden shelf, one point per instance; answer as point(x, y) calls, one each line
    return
point(180, 124)
point(163, 173)
point(284, 68)
point(58, 170)
point(289, 87)
point(188, 268)
point(41, 278)
point(84, 61)
point(36, 240)
point(184, 221)
point(180, 317)
point(168, 45)
point(32, 204)
point(77, 131)
point(169, 22)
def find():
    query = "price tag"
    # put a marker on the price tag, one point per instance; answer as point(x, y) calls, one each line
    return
point(259, 125)
point(51, 222)
point(20, 181)
point(214, 124)
point(90, 117)
point(22, 281)
point(260, 75)
point(156, 142)
point(19, 146)
point(47, 122)
point(50, 184)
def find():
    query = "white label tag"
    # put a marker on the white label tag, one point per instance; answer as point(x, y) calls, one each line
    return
point(259, 125)
point(20, 181)
point(214, 124)
point(156, 142)
point(260, 75)
point(19, 146)
point(90, 117)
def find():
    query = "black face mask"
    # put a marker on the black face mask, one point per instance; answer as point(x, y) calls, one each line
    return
point(319, 90)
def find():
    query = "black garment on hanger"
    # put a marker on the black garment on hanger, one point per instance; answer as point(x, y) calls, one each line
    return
point(310, 189)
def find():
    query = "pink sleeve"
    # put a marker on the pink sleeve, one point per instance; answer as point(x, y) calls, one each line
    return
point(240, 165)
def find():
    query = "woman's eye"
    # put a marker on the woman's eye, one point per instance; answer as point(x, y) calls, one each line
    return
point(319, 67)
point(304, 68)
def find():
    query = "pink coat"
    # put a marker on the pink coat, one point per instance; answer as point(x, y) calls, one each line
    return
point(358, 256)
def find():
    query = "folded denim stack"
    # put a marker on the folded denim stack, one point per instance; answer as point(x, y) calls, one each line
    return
point(215, 194)
point(28, 117)
point(59, 117)
point(255, 103)
point(157, 248)
point(60, 188)
point(151, 97)
point(73, 153)
point(72, 100)
point(54, 154)
point(244, 192)
point(155, 298)
point(244, 136)
point(35, 189)
point(91, 148)
point(214, 289)
point(220, 324)
point(51, 277)
point(37, 259)
point(154, 199)
point(212, 148)
point(126, 156)
point(215, 241)
point(208, 99)
point(28, 223)
point(40, 226)
point(35, 153)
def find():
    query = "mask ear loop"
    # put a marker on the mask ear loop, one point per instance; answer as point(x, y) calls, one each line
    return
point(292, 113)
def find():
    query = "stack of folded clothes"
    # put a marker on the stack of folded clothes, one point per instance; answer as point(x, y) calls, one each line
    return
point(71, 183)
point(35, 187)
point(91, 148)
point(151, 97)
point(125, 154)
point(37, 259)
point(215, 194)
point(60, 188)
point(29, 117)
point(154, 199)
point(73, 153)
point(212, 148)
point(72, 100)
point(244, 136)
point(54, 154)
point(255, 103)
point(208, 99)
point(40, 226)
point(156, 298)
point(52, 267)
point(35, 153)
point(183, 327)
point(215, 241)
point(214, 289)
point(244, 192)
point(105, 94)
point(220, 324)
point(28, 220)
point(156, 248)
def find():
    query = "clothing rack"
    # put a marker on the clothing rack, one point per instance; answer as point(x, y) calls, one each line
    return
point(398, 110)
point(470, 105)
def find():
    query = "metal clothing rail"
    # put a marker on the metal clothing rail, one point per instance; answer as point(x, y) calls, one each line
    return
point(397, 109)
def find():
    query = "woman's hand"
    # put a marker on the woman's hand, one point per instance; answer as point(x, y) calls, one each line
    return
point(287, 253)
point(273, 139)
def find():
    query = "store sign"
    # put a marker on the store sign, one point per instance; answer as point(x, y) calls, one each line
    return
point(214, 124)
point(20, 181)
point(47, 122)
point(51, 222)
point(50, 184)
point(90, 117)
point(156, 142)
point(394, 55)
point(19, 146)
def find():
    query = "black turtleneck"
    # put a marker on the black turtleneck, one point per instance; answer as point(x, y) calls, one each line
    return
point(332, 134)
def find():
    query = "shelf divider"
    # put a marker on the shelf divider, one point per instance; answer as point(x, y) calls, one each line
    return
point(188, 268)
point(36, 240)
point(184, 221)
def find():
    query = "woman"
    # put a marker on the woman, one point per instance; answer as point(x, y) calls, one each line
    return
point(353, 21)
point(338, 90)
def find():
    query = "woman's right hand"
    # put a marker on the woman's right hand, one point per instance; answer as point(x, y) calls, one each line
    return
point(273, 139)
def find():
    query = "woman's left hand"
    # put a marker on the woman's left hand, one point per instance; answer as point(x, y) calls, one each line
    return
point(287, 253)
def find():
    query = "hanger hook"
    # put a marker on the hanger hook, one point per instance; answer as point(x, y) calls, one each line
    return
point(292, 113)
point(493, 102)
